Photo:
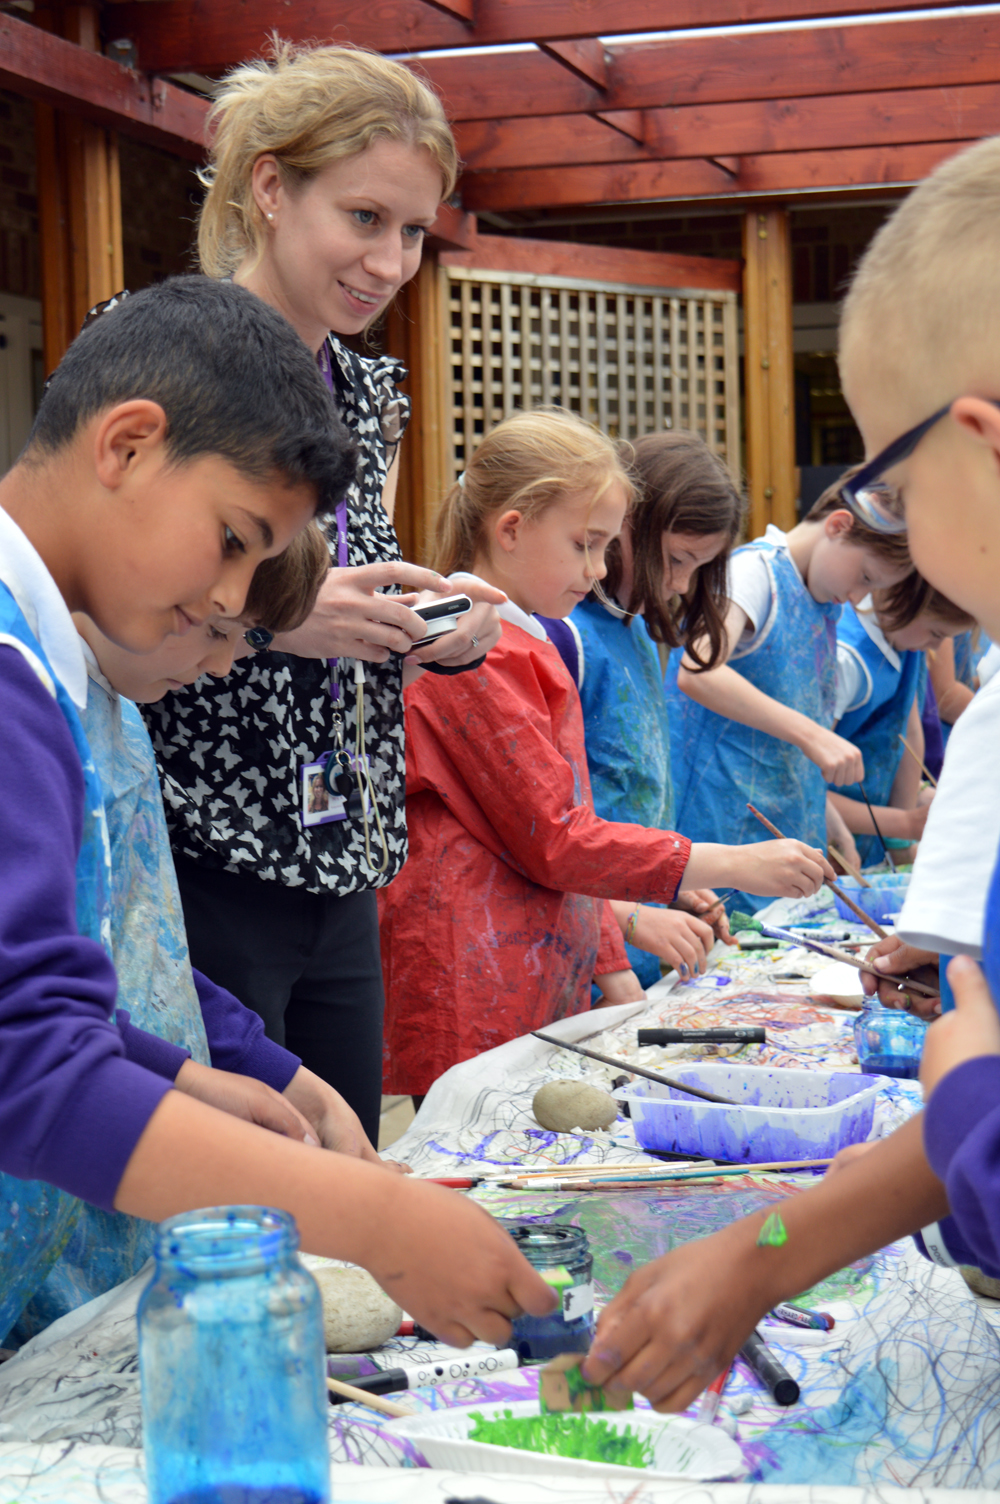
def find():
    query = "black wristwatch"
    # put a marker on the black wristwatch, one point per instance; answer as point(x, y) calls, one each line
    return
point(259, 638)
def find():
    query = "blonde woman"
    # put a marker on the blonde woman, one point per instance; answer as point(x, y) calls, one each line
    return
point(327, 168)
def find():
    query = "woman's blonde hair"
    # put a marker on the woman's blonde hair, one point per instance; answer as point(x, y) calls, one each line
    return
point(308, 107)
point(528, 463)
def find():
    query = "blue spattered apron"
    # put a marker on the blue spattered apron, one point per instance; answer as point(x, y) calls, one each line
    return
point(719, 765)
point(155, 984)
point(37, 1220)
point(627, 732)
point(875, 727)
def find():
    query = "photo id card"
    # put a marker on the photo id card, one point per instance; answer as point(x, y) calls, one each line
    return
point(319, 806)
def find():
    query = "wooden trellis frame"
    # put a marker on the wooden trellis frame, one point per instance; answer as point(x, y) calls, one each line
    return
point(630, 359)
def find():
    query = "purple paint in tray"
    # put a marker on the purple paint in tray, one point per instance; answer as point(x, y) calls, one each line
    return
point(780, 1113)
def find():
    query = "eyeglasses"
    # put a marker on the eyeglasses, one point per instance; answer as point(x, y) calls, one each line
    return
point(879, 505)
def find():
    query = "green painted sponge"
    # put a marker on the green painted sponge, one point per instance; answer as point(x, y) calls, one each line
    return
point(561, 1386)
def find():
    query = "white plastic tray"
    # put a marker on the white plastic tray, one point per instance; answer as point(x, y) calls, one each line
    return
point(780, 1113)
point(684, 1450)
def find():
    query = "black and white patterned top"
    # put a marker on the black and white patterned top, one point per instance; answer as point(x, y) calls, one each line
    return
point(230, 750)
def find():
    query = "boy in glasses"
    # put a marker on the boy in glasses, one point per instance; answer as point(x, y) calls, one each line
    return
point(920, 364)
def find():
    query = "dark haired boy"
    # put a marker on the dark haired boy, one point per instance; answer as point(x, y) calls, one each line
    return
point(185, 437)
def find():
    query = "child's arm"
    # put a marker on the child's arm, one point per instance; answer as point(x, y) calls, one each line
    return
point(906, 784)
point(446, 1262)
point(678, 938)
point(729, 694)
point(838, 833)
point(960, 1073)
point(901, 824)
point(678, 1321)
point(951, 694)
point(483, 742)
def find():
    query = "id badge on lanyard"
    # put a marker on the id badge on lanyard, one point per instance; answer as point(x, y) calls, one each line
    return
point(326, 785)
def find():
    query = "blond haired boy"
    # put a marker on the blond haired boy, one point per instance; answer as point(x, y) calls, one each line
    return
point(920, 366)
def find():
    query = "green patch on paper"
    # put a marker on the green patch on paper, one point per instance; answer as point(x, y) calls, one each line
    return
point(772, 1234)
point(565, 1436)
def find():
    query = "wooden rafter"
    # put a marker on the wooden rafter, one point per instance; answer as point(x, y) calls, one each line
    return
point(948, 51)
point(206, 35)
point(587, 59)
point(725, 130)
point(60, 73)
point(459, 10)
point(555, 258)
point(779, 173)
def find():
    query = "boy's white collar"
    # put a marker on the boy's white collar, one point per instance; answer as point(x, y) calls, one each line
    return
point(23, 571)
point(866, 616)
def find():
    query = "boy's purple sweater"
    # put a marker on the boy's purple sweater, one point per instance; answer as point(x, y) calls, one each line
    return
point(76, 1091)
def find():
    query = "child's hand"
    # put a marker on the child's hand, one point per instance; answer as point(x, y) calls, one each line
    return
point(914, 822)
point(704, 904)
point(890, 958)
point(838, 834)
point(676, 937)
point(451, 1266)
point(780, 869)
point(972, 1029)
point(244, 1097)
point(677, 1322)
point(838, 760)
point(619, 987)
point(335, 1124)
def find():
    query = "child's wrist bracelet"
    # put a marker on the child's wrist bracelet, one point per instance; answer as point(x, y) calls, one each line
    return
point(633, 921)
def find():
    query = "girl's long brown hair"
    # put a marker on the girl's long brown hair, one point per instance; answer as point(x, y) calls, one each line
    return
point(682, 487)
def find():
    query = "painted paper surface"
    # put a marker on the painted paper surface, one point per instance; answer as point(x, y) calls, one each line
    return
point(905, 1390)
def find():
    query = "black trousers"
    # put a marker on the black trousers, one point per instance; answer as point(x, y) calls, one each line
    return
point(308, 963)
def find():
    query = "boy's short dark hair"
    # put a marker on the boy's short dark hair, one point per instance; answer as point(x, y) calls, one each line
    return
point(232, 376)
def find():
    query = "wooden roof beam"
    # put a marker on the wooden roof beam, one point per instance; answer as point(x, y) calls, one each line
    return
point(459, 10)
point(780, 174)
point(722, 131)
point(43, 66)
point(587, 59)
point(179, 36)
point(707, 70)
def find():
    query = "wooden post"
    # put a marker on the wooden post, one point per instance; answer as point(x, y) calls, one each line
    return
point(769, 368)
point(416, 335)
point(79, 208)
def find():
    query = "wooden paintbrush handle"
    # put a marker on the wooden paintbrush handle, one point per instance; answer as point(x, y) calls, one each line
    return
point(373, 1401)
point(867, 919)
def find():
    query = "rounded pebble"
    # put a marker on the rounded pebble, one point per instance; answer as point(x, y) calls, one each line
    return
point(561, 1106)
point(357, 1313)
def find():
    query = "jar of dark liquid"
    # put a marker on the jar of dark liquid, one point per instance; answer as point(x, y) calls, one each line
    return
point(562, 1256)
point(889, 1041)
point(231, 1357)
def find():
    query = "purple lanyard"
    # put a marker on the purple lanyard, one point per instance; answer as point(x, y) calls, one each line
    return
point(341, 517)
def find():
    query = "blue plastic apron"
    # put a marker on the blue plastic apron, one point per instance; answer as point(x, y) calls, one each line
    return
point(876, 725)
point(37, 1220)
point(720, 765)
point(627, 731)
point(155, 983)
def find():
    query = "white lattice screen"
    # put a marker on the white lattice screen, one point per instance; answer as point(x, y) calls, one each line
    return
point(630, 359)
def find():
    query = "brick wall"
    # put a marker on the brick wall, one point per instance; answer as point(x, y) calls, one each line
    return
point(160, 198)
point(20, 271)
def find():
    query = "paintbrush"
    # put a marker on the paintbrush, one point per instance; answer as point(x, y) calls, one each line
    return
point(750, 922)
point(634, 1070)
point(881, 838)
point(924, 768)
point(667, 1177)
point(362, 1397)
point(867, 919)
point(848, 867)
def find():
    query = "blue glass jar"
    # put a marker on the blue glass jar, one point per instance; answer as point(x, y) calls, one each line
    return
point(562, 1256)
point(889, 1041)
point(231, 1358)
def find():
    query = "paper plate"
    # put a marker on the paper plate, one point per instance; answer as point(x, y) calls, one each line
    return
point(684, 1450)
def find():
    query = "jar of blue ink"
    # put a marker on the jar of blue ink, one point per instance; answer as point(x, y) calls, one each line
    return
point(562, 1256)
point(889, 1041)
point(231, 1360)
